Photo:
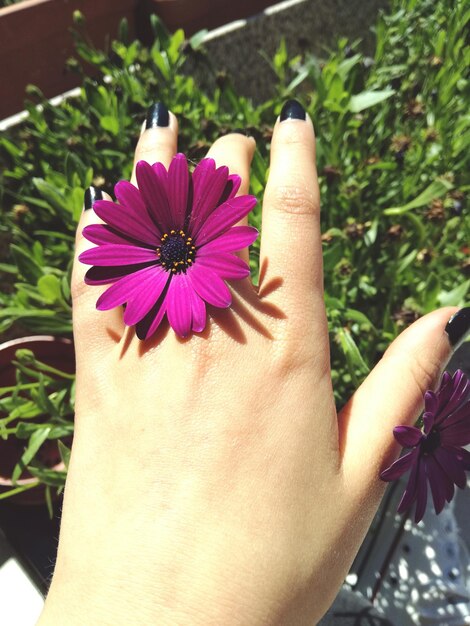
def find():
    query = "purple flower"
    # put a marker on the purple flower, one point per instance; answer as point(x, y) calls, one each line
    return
point(169, 246)
point(437, 456)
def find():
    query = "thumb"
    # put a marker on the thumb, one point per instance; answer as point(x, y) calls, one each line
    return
point(392, 395)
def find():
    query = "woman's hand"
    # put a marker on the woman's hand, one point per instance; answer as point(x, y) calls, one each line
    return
point(211, 480)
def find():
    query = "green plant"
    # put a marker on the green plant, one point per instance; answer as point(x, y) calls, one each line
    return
point(38, 409)
point(392, 152)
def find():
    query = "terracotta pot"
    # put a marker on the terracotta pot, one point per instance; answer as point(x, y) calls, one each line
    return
point(59, 353)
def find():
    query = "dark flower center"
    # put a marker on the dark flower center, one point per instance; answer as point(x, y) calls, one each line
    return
point(176, 251)
point(431, 442)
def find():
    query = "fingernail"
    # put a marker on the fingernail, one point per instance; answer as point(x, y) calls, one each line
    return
point(157, 115)
point(91, 195)
point(458, 327)
point(293, 110)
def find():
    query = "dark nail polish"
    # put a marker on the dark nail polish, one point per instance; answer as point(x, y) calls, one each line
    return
point(293, 110)
point(157, 115)
point(458, 327)
point(91, 195)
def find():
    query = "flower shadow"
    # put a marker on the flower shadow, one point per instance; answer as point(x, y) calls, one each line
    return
point(250, 308)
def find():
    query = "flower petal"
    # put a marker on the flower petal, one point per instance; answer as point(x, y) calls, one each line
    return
point(178, 188)
point(421, 493)
point(456, 435)
point(127, 222)
point(208, 187)
point(112, 254)
point(236, 181)
point(227, 266)
point(178, 301)
point(231, 188)
point(198, 311)
point(152, 285)
point(129, 196)
point(147, 326)
point(152, 181)
point(409, 495)
point(127, 288)
point(428, 421)
point(437, 481)
point(453, 394)
point(104, 275)
point(449, 460)
point(235, 238)
point(399, 467)
point(431, 402)
point(103, 234)
point(407, 436)
point(209, 286)
point(464, 457)
point(225, 216)
point(461, 414)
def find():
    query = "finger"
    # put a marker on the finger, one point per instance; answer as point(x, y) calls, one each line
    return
point(158, 141)
point(236, 152)
point(392, 395)
point(92, 328)
point(291, 255)
point(291, 245)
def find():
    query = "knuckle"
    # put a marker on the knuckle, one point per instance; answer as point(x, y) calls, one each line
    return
point(149, 147)
point(424, 373)
point(294, 199)
point(292, 354)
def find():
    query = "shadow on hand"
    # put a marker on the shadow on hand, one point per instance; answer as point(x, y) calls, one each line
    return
point(249, 307)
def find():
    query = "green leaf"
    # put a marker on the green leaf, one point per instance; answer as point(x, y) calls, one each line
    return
point(64, 453)
point(367, 99)
point(16, 490)
point(431, 291)
point(346, 66)
point(43, 400)
point(406, 261)
point(53, 197)
point(335, 91)
point(357, 316)
point(49, 288)
point(332, 255)
point(371, 235)
point(354, 359)
point(435, 190)
point(110, 123)
point(61, 430)
point(27, 266)
point(35, 442)
point(456, 297)
point(24, 430)
point(50, 477)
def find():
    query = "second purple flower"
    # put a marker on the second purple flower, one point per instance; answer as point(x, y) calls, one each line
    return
point(437, 457)
point(169, 246)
